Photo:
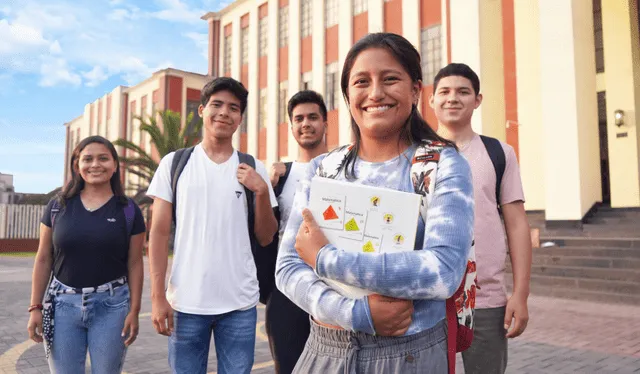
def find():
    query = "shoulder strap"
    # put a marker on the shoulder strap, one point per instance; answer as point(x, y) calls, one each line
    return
point(283, 179)
point(498, 159)
point(249, 160)
point(129, 215)
point(333, 163)
point(55, 209)
point(180, 159)
point(424, 167)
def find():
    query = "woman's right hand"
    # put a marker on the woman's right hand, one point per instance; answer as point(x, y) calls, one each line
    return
point(391, 316)
point(35, 326)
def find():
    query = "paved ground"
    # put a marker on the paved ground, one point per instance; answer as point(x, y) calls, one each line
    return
point(563, 336)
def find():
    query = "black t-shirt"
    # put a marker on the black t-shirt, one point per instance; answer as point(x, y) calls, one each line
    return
point(91, 248)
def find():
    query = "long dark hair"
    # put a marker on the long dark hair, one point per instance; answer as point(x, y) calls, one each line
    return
point(76, 183)
point(416, 129)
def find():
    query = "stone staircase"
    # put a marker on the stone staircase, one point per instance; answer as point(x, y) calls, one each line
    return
point(600, 262)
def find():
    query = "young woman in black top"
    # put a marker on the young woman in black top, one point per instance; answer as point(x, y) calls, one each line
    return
point(91, 239)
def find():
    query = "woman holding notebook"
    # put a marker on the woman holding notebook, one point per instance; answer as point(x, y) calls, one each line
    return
point(401, 326)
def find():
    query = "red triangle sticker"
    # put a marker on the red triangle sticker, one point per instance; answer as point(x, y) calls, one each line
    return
point(329, 214)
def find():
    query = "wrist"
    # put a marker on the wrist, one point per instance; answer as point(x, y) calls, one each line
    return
point(34, 307)
point(520, 293)
point(262, 190)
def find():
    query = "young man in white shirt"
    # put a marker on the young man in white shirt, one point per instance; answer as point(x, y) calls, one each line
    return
point(213, 285)
point(287, 325)
point(456, 94)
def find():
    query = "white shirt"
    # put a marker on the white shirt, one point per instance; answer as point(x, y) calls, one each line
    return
point(213, 270)
point(285, 200)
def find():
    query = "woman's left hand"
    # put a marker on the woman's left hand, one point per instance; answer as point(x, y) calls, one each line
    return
point(310, 239)
point(130, 329)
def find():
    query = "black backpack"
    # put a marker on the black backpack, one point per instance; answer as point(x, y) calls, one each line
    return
point(498, 159)
point(265, 260)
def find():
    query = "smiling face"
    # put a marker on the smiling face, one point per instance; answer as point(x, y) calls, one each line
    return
point(307, 125)
point(381, 93)
point(454, 101)
point(96, 164)
point(221, 116)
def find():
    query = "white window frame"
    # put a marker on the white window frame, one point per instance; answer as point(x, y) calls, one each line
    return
point(283, 26)
point(330, 13)
point(306, 18)
point(332, 86)
point(431, 52)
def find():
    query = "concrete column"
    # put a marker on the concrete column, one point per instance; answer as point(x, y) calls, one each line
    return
point(236, 41)
point(272, 83)
point(318, 35)
point(530, 130)
point(622, 81)
point(345, 41)
point(411, 22)
point(375, 15)
point(254, 91)
point(294, 65)
point(476, 40)
point(569, 149)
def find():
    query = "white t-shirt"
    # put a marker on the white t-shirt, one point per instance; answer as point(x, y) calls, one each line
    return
point(213, 270)
point(285, 200)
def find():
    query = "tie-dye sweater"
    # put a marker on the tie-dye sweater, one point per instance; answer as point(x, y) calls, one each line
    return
point(428, 275)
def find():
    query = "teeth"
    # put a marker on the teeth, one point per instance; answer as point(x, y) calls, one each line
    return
point(377, 108)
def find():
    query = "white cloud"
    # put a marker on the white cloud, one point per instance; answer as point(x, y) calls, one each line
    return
point(131, 13)
point(55, 48)
point(177, 11)
point(16, 37)
point(55, 71)
point(94, 77)
point(115, 2)
point(201, 40)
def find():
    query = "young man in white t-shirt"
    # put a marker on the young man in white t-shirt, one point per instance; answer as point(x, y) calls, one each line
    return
point(456, 94)
point(287, 325)
point(213, 285)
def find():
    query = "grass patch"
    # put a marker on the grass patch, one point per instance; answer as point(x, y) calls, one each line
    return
point(17, 254)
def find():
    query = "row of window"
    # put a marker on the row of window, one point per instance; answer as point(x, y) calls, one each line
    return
point(430, 49)
point(306, 22)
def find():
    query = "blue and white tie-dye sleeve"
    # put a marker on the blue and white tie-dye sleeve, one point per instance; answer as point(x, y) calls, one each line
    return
point(435, 272)
point(299, 282)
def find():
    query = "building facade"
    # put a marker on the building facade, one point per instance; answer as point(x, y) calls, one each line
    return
point(7, 191)
point(113, 116)
point(560, 78)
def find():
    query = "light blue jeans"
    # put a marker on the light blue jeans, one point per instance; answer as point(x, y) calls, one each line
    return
point(234, 335)
point(93, 322)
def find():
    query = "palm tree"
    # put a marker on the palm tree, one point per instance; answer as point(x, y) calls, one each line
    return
point(166, 140)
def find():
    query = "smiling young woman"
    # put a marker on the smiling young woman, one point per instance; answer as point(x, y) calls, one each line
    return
point(91, 239)
point(401, 327)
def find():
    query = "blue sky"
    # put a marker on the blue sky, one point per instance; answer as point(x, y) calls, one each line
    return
point(58, 55)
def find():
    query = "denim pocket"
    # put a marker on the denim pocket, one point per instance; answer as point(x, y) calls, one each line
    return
point(119, 299)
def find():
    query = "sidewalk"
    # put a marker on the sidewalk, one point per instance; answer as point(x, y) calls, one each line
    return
point(563, 336)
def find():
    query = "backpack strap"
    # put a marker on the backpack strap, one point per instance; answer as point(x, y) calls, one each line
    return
point(249, 160)
point(129, 215)
point(334, 162)
point(180, 159)
point(498, 159)
point(55, 210)
point(283, 179)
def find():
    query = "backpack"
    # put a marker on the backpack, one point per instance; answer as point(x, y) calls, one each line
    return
point(424, 167)
point(265, 260)
point(498, 159)
point(129, 213)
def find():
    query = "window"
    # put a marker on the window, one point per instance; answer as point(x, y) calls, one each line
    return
point(431, 52)
point(306, 80)
point(282, 102)
point(192, 107)
point(228, 40)
point(359, 6)
point(245, 45)
point(283, 26)
point(597, 34)
point(332, 87)
point(262, 107)
point(306, 18)
point(331, 13)
point(263, 39)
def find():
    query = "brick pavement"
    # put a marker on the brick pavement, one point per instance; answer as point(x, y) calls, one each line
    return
point(563, 336)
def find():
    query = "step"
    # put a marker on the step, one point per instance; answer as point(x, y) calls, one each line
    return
point(573, 241)
point(585, 261)
point(576, 294)
point(590, 285)
point(595, 252)
point(575, 272)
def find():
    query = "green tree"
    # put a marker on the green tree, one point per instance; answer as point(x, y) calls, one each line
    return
point(166, 139)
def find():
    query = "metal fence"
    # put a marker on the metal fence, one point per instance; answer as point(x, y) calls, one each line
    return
point(20, 221)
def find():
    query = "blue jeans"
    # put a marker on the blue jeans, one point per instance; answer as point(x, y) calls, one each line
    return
point(92, 321)
point(234, 335)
